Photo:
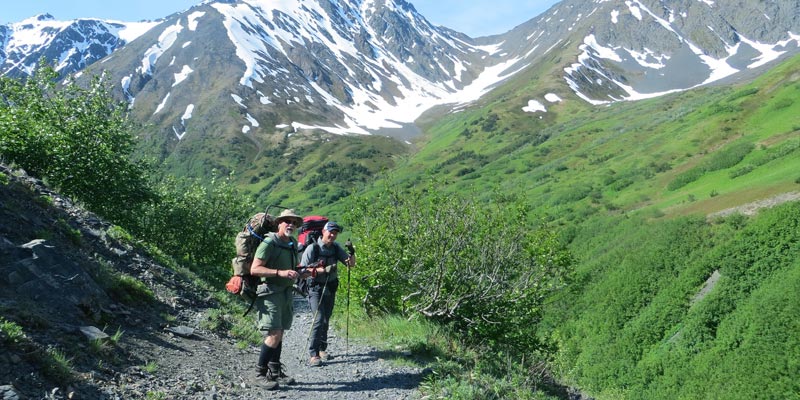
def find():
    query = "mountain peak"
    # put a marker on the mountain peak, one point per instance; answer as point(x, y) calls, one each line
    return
point(44, 17)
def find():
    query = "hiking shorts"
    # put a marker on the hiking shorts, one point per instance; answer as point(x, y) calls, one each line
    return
point(275, 310)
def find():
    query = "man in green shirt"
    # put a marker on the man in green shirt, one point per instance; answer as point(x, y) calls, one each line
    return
point(274, 262)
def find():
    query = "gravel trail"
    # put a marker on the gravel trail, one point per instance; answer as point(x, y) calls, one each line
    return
point(204, 366)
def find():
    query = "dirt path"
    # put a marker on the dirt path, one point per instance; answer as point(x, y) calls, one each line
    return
point(204, 365)
point(752, 208)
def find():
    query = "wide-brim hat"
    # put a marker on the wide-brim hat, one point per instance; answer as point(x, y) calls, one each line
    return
point(288, 214)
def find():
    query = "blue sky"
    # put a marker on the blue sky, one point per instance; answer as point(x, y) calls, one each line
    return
point(481, 17)
point(473, 17)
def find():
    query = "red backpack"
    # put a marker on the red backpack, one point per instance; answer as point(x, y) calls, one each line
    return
point(310, 231)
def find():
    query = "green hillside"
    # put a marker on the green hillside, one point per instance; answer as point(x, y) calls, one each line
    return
point(667, 300)
point(693, 152)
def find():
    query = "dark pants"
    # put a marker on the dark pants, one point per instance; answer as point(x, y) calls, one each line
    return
point(323, 310)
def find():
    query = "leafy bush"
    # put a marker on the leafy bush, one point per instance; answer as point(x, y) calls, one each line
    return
point(479, 267)
point(75, 137)
point(196, 223)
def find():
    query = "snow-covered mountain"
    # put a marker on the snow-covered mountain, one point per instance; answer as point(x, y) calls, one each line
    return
point(347, 67)
point(70, 45)
point(634, 49)
point(258, 71)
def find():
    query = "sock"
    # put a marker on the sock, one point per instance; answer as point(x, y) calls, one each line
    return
point(267, 353)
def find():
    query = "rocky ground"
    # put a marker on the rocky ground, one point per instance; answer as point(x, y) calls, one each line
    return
point(205, 366)
point(54, 257)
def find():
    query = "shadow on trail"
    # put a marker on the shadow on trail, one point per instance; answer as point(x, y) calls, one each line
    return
point(390, 381)
point(368, 357)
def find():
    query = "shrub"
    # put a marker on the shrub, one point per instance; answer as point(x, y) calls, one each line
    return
point(77, 138)
point(195, 222)
point(725, 158)
point(441, 256)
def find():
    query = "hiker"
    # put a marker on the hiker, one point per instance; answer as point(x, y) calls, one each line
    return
point(274, 263)
point(322, 287)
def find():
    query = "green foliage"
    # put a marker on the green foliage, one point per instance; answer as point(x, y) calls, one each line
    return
point(117, 336)
point(75, 137)
point(57, 366)
point(150, 367)
point(338, 174)
point(492, 378)
point(644, 321)
point(457, 370)
point(11, 332)
point(478, 266)
point(157, 395)
point(129, 290)
point(196, 223)
point(73, 234)
point(725, 158)
point(116, 232)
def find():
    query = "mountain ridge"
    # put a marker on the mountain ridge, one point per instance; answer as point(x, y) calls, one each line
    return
point(222, 84)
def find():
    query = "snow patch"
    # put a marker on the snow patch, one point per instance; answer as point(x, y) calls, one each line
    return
point(162, 104)
point(252, 120)
point(534, 106)
point(553, 98)
point(181, 76)
point(193, 17)
point(165, 41)
point(187, 114)
point(238, 100)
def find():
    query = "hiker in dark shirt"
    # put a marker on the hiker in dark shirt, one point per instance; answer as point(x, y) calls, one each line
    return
point(274, 262)
point(323, 285)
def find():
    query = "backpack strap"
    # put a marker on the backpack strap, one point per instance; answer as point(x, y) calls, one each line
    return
point(272, 238)
point(253, 232)
point(315, 251)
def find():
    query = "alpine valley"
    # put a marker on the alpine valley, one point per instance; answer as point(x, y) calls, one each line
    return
point(279, 91)
point(658, 139)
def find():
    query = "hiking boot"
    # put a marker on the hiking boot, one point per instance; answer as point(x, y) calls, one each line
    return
point(324, 356)
point(264, 379)
point(315, 361)
point(275, 372)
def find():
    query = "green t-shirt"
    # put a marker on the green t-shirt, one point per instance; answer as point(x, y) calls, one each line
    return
point(278, 254)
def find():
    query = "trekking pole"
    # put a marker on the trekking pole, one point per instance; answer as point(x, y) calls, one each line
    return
point(352, 251)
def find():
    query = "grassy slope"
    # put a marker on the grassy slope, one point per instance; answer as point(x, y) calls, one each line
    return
point(623, 157)
point(628, 327)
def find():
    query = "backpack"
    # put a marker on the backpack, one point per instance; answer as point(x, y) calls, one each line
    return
point(246, 242)
point(310, 231)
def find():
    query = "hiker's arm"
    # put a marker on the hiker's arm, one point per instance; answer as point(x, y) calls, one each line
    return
point(260, 268)
point(345, 257)
point(305, 261)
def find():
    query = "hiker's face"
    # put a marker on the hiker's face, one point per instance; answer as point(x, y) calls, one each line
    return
point(329, 237)
point(287, 227)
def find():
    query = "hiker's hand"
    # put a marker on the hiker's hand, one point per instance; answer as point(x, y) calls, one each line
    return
point(303, 273)
point(287, 273)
